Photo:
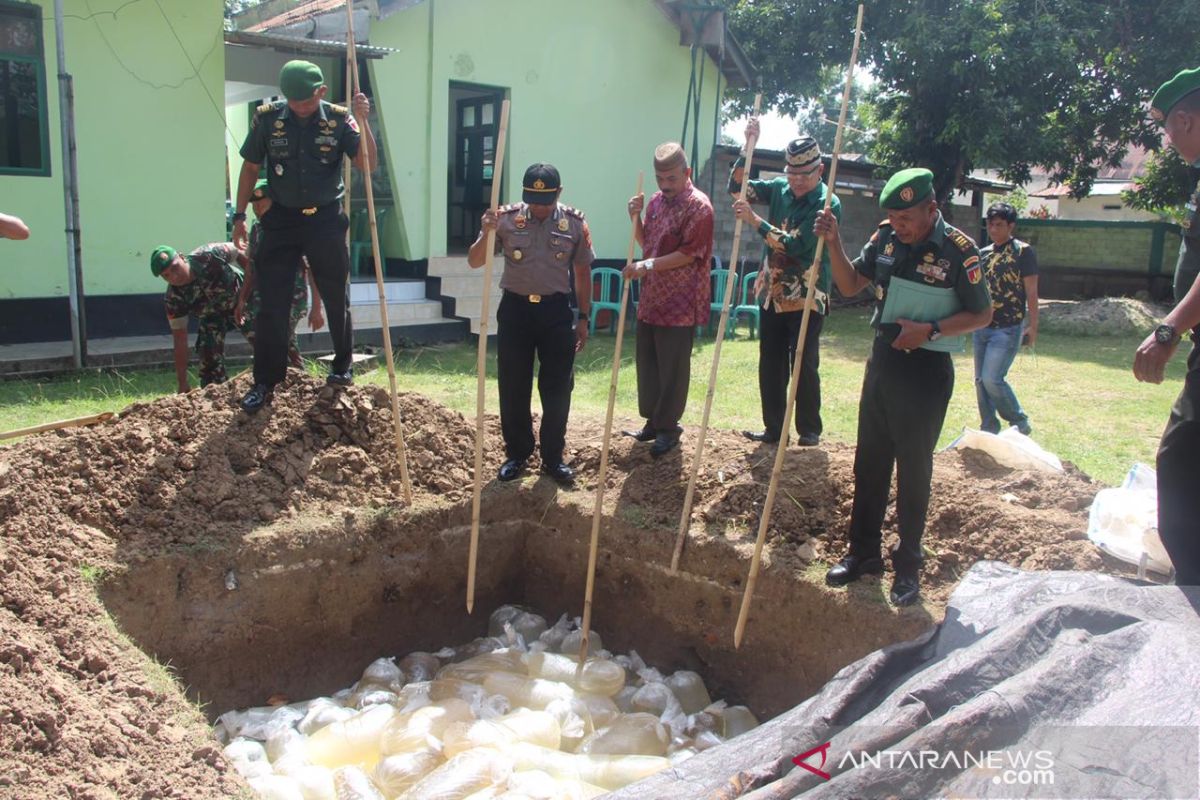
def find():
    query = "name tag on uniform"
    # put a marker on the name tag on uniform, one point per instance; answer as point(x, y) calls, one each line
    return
point(886, 261)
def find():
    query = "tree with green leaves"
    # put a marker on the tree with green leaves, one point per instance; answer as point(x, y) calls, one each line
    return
point(966, 84)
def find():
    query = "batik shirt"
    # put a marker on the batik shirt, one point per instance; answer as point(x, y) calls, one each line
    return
point(681, 296)
point(1006, 266)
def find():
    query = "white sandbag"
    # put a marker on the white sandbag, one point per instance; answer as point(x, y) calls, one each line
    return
point(1010, 448)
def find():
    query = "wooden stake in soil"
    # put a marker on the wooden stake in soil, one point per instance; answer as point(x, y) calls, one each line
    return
point(608, 417)
point(91, 419)
point(481, 358)
point(685, 518)
point(781, 448)
point(386, 331)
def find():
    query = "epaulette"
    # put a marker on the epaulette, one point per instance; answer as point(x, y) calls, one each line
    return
point(265, 107)
point(573, 212)
point(508, 209)
point(963, 241)
point(336, 109)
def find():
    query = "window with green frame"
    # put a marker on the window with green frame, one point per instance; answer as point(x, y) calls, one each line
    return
point(24, 140)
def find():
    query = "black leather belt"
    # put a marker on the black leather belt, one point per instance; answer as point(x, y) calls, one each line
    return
point(535, 298)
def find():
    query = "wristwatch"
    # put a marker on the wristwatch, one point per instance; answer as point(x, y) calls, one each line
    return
point(935, 331)
point(1165, 334)
point(648, 264)
point(583, 316)
point(238, 217)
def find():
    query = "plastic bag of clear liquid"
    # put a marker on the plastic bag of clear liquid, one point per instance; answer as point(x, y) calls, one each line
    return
point(423, 728)
point(527, 692)
point(258, 723)
point(1123, 522)
point(598, 676)
point(630, 734)
point(475, 669)
point(394, 775)
point(352, 783)
point(527, 625)
point(538, 785)
point(689, 689)
point(316, 783)
point(607, 772)
point(462, 776)
point(354, 741)
point(736, 721)
point(1009, 448)
point(524, 725)
point(383, 673)
point(573, 642)
point(419, 666)
point(321, 712)
point(275, 787)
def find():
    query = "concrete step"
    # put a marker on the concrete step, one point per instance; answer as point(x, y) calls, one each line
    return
point(396, 290)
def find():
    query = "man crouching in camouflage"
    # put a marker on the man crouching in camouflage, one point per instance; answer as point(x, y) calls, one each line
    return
point(205, 284)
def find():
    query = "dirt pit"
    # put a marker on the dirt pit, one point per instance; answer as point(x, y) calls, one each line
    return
point(186, 553)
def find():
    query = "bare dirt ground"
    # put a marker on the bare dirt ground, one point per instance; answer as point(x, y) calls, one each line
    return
point(1102, 316)
point(84, 714)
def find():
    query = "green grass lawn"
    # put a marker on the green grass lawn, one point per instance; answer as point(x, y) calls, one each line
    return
point(1082, 399)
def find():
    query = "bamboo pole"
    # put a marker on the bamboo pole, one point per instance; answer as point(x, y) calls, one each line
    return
point(608, 418)
point(481, 358)
point(764, 521)
point(90, 419)
point(685, 518)
point(386, 331)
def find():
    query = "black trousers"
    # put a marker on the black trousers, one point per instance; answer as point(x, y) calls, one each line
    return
point(900, 416)
point(289, 234)
point(547, 330)
point(664, 368)
point(779, 333)
point(1178, 468)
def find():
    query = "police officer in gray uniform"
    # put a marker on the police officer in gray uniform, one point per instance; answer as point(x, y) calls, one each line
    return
point(543, 241)
point(301, 141)
point(931, 271)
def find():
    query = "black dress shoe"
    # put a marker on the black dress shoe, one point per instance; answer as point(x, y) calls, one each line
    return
point(665, 442)
point(761, 436)
point(646, 434)
point(258, 396)
point(560, 472)
point(906, 589)
point(511, 470)
point(344, 378)
point(851, 568)
point(809, 439)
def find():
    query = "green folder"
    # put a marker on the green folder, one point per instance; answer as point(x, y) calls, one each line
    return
point(911, 300)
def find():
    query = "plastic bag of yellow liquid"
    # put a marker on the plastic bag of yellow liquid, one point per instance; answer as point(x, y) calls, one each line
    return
point(275, 787)
point(538, 785)
point(574, 722)
point(315, 783)
point(737, 720)
point(351, 783)
point(394, 775)
point(524, 725)
point(420, 666)
point(423, 728)
point(463, 775)
point(597, 676)
point(607, 772)
point(321, 712)
point(288, 750)
point(474, 670)
point(354, 741)
point(630, 734)
point(527, 692)
point(456, 688)
point(689, 689)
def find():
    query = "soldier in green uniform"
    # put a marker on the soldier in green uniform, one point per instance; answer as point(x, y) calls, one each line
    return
point(301, 141)
point(930, 291)
point(249, 300)
point(793, 201)
point(204, 284)
point(543, 242)
point(1176, 105)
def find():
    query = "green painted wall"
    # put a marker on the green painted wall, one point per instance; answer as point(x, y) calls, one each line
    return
point(151, 162)
point(594, 87)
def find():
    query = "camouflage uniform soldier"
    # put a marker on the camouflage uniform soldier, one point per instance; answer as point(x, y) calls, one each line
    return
point(250, 301)
point(205, 284)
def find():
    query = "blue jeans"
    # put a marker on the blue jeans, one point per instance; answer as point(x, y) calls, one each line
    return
point(995, 349)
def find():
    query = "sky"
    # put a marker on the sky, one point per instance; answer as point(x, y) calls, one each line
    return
point(776, 130)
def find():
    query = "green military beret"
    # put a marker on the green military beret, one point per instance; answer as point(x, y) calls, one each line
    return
point(1174, 90)
point(260, 190)
point(298, 80)
point(906, 188)
point(161, 258)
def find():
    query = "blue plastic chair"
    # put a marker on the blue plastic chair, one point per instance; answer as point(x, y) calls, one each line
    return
point(606, 296)
point(748, 305)
point(719, 278)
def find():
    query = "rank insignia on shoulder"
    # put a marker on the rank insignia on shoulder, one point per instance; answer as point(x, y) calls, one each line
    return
point(563, 225)
point(335, 108)
point(962, 240)
point(574, 212)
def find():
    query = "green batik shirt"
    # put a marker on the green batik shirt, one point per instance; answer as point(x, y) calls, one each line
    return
point(1006, 267)
point(303, 158)
point(213, 291)
point(948, 259)
point(790, 241)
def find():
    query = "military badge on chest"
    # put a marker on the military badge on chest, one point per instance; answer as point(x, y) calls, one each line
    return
point(933, 271)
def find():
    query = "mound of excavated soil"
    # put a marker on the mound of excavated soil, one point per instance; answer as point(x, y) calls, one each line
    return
point(83, 716)
point(1102, 316)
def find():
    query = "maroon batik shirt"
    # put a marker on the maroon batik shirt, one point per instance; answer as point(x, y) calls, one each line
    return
point(681, 296)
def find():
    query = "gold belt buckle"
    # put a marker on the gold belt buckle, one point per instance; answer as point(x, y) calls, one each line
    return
point(308, 212)
point(535, 298)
